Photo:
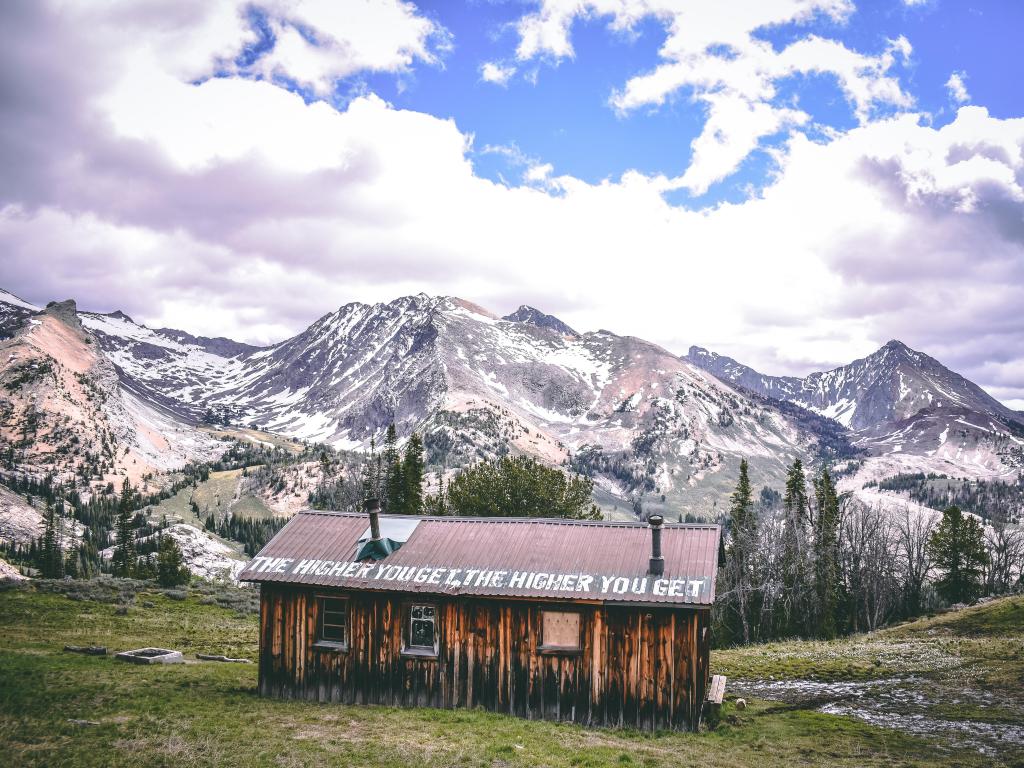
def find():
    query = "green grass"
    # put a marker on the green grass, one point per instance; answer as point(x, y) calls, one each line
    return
point(215, 495)
point(176, 507)
point(209, 713)
point(252, 506)
point(966, 667)
point(982, 645)
point(998, 617)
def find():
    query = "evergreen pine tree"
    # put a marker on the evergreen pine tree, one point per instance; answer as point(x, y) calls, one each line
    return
point(794, 581)
point(441, 507)
point(59, 515)
point(393, 485)
point(371, 473)
point(412, 476)
point(795, 499)
point(826, 546)
point(170, 563)
point(744, 543)
point(145, 568)
point(125, 553)
point(50, 558)
point(742, 509)
point(958, 548)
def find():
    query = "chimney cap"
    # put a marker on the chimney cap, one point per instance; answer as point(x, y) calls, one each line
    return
point(655, 519)
point(371, 504)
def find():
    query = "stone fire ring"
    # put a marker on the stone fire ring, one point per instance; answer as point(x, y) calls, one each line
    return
point(151, 656)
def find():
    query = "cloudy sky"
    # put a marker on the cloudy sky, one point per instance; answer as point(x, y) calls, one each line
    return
point(791, 182)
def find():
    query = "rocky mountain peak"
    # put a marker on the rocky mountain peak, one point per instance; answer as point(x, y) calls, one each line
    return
point(899, 349)
point(872, 393)
point(66, 311)
point(532, 316)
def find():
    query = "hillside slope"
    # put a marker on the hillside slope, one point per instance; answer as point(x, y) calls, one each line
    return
point(64, 410)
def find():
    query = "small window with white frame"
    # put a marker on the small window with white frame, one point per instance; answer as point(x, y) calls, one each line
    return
point(560, 631)
point(421, 631)
point(332, 629)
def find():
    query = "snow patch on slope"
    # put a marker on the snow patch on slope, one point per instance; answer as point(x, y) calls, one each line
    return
point(9, 298)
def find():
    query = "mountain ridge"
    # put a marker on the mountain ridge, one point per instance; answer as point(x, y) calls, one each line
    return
point(643, 422)
point(827, 392)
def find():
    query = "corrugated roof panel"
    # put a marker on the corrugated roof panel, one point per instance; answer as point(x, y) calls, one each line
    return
point(501, 557)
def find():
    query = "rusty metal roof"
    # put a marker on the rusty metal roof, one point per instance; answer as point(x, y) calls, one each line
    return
point(499, 557)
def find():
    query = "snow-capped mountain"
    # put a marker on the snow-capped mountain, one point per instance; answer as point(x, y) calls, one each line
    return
point(889, 386)
point(904, 409)
point(170, 368)
point(641, 421)
point(13, 313)
point(475, 385)
point(727, 369)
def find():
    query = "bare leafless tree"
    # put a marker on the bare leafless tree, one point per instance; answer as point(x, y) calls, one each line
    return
point(914, 529)
point(1005, 545)
point(869, 548)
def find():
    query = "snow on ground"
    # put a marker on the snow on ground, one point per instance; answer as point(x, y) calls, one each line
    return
point(301, 426)
point(546, 414)
point(978, 462)
point(9, 298)
point(206, 556)
point(176, 370)
point(893, 503)
point(162, 442)
point(911, 704)
point(842, 411)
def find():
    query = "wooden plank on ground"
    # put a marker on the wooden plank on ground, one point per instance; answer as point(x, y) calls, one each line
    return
point(717, 690)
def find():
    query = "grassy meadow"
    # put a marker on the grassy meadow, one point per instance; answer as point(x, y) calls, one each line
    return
point(207, 713)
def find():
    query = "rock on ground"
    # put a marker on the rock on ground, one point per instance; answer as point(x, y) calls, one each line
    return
point(9, 573)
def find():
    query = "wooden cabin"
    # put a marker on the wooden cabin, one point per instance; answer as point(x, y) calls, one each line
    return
point(566, 620)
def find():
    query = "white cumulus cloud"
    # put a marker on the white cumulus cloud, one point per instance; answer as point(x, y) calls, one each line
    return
point(494, 72)
point(958, 88)
point(320, 41)
point(713, 55)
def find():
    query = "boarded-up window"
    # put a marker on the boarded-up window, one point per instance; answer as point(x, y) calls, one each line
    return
point(422, 627)
point(560, 630)
point(333, 621)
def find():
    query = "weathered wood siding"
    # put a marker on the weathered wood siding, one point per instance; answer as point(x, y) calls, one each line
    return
point(644, 667)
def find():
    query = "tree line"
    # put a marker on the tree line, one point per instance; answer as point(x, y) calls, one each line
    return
point(395, 477)
point(158, 557)
point(815, 563)
point(999, 500)
point(252, 533)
